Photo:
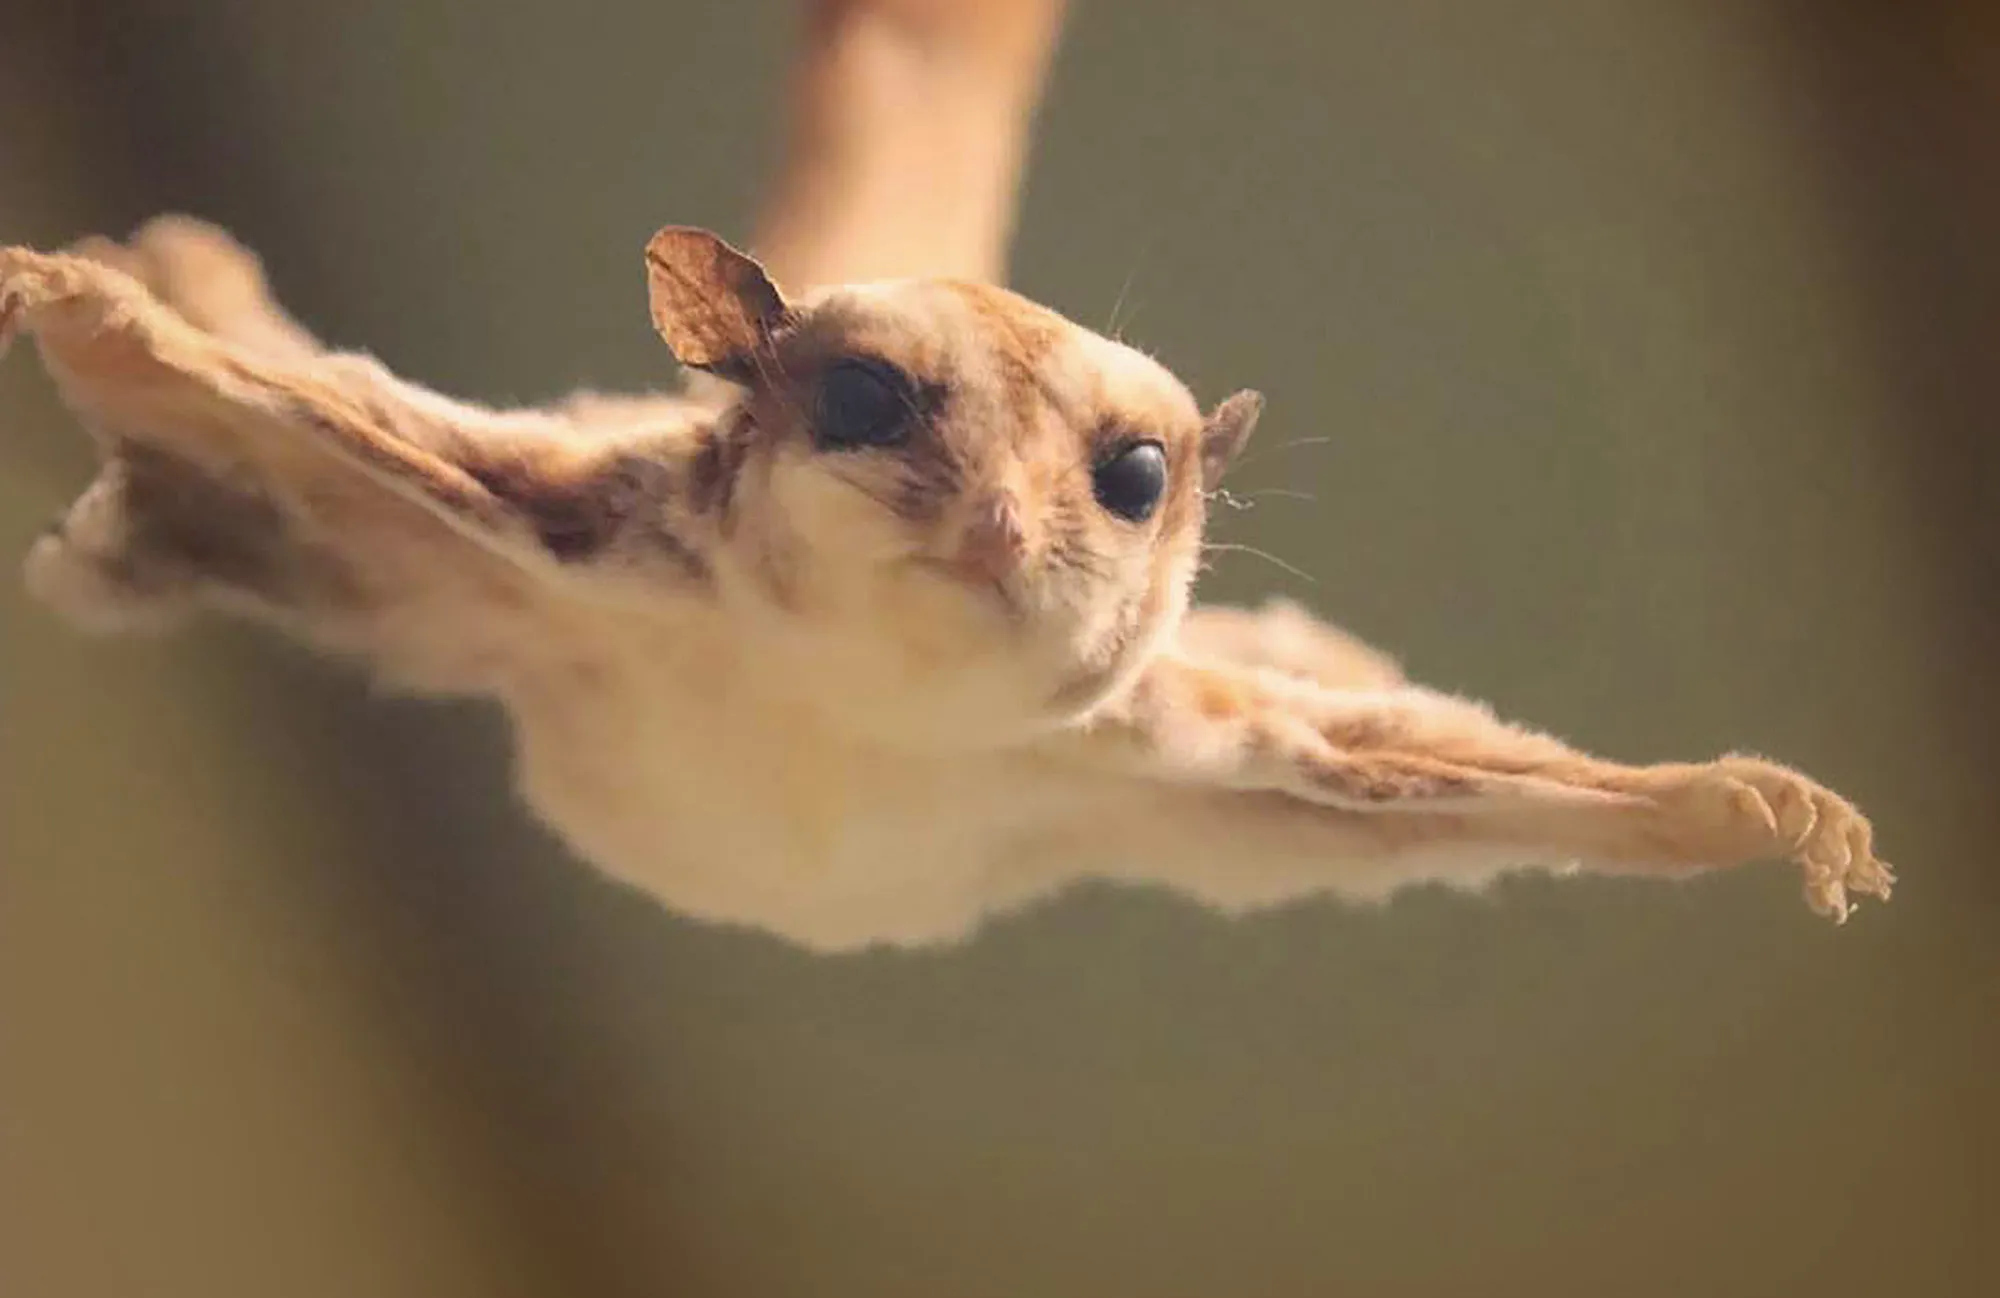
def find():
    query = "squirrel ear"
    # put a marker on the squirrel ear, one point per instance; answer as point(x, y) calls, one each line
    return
point(1225, 431)
point(713, 305)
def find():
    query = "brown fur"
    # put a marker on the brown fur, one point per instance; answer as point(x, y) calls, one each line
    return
point(678, 604)
point(849, 699)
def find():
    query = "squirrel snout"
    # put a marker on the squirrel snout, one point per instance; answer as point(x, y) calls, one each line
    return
point(995, 541)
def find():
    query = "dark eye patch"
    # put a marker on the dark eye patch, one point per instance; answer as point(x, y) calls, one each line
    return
point(1130, 481)
point(860, 403)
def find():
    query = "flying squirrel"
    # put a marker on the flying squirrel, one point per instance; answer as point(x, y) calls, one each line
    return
point(883, 629)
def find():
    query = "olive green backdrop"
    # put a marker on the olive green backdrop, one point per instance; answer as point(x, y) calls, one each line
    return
point(1632, 358)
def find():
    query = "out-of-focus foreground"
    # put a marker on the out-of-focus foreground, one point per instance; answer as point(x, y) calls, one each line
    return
point(1636, 362)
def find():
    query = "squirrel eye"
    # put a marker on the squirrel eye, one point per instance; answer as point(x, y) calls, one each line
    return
point(862, 403)
point(1131, 481)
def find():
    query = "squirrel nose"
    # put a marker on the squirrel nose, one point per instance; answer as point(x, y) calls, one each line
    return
point(995, 541)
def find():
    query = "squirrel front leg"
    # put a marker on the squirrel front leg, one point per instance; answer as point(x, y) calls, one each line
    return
point(210, 279)
point(320, 493)
point(1437, 787)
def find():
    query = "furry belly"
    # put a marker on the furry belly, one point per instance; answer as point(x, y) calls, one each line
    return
point(832, 846)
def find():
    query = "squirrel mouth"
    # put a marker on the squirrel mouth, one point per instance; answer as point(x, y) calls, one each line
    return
point(979, 578)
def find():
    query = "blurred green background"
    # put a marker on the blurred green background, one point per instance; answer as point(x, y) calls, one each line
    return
point(1651, 349)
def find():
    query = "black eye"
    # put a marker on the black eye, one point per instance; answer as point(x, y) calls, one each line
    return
point(1131, 481)
point(862, 403)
